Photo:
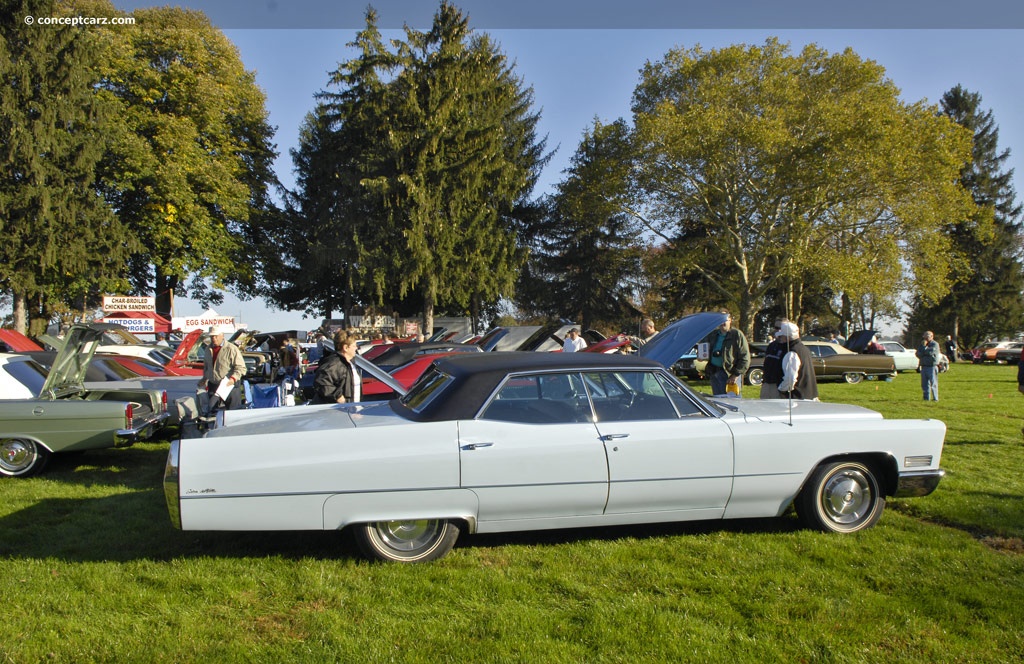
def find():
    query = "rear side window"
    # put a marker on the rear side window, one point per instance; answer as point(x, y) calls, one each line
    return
point(540, 399)
point(426, 389)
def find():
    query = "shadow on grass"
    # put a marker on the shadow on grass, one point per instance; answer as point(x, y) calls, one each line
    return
point(135, 526)
point(784, 524)
point(137, 467)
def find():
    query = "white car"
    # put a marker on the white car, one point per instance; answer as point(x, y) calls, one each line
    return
point(906, 360)
point(498, 442)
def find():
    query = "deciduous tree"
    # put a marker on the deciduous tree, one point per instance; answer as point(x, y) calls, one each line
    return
point(775, 164)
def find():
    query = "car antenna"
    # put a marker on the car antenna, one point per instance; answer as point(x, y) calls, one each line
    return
point(789, 395)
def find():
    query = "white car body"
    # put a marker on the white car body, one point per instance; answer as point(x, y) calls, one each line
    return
point(906, 360)
point(10, 386)
point(420, 464)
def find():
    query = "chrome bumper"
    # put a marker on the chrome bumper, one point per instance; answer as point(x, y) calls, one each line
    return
point(171, 482)
point(126, 437)
point(918, 483)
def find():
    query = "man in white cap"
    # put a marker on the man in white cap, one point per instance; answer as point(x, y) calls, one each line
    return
point(223, 361)
point(798, 380)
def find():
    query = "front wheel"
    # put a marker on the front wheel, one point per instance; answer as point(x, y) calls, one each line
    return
point(21, 457)
point(840, 497)
point(853, 378)
point(415, 541)
point(755, 376)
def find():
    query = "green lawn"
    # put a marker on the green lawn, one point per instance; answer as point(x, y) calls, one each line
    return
point(93, 571)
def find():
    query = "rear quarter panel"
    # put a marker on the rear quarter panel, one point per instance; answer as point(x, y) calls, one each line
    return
point(63, 425)
point(284, 481)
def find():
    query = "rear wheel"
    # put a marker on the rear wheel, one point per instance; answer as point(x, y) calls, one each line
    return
point(21, 457)
point(414, 541)
point(841, 497)
point(853, 378)
point(755, 376)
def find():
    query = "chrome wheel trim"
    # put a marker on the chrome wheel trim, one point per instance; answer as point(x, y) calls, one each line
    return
point(17, 455)
point(847, 497)
point(409, 536)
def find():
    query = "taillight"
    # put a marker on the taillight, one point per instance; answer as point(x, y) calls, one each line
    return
point(163, 402)
point(129, 415)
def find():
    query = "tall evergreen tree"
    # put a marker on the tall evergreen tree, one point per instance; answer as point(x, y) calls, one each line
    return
point(461, 153)
point(987, 300)
point(62, 243)
point(586, 249)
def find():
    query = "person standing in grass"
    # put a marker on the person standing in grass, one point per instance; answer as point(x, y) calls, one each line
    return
point(929, 355)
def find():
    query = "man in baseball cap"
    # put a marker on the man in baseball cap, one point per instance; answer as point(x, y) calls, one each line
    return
point(798, 379)
point(223, 369)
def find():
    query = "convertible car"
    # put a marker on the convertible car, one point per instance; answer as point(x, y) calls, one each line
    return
point(64, 415)
point(497, 442)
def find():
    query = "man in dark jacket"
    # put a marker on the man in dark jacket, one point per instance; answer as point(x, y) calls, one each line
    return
point(929, 355)
point(772, 367)
point(730, 357)
point(798, 379)
point(336, 380)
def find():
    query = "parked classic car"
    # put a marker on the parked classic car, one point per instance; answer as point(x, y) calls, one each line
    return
point(65, 416)
point(904, 358)
point(831, 362)
point(1010, 354)
point(986, 352)
point(497, 442)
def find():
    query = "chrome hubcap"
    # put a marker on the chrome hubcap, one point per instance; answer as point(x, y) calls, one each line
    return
point(16, 455)
point(847, 496)
point(409, 535)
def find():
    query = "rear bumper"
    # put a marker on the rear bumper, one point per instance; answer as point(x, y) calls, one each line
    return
point(918, 483)
point(141, 431)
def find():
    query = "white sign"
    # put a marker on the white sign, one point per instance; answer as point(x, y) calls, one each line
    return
point(112, 303)
point(135, 325)
point(189, 323)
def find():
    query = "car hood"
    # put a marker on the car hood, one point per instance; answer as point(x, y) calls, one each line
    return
point(186, 345)
point(18, 342)
point(676, 340)
point(858, 341)
point(72, 361)
point(372, 369)
point(783, 410)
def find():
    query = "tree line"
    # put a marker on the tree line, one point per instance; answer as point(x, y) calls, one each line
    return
point(750, 177)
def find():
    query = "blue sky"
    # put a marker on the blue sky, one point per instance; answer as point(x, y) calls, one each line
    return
point(584, 66)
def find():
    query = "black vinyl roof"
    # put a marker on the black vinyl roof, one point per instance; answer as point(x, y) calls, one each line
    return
point(476, 375)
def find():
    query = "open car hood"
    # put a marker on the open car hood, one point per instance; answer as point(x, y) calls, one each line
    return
point(858, 341)
point(181, 353)
point(680, 337)
point(372, 369)
point(72, 361)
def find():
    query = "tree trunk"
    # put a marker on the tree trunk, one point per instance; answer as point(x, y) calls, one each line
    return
point(428, 310)
point(20, 315)
point(165, 285)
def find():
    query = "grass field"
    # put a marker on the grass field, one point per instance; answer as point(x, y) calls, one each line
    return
point(94, 572)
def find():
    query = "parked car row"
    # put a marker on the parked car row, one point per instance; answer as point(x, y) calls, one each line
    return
point(49, 410)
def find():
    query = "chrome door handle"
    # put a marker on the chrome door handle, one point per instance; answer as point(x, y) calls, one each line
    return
point(613, 436)
point(476, 446)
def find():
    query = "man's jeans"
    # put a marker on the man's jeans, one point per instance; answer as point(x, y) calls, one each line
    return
point(930, 383)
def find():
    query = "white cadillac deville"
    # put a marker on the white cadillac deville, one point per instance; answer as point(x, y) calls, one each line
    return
point(497, 442)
